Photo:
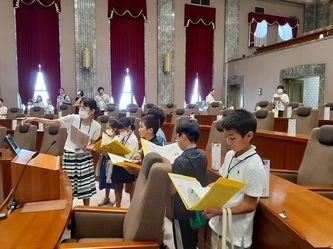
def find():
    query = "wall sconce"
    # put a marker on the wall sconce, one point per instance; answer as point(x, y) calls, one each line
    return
point(167, 60)
point(86, 60)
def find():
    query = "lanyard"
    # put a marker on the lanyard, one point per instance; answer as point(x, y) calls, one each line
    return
point(123, 140)
point(89, 125)
point(231, 168)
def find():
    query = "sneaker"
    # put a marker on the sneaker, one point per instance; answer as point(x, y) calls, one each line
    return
point(105, 201)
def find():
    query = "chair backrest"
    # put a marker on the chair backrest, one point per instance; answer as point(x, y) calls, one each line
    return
point(12, 112)
point(145, 216)
point(26, 136)
point(147, 107)
point(113, 111)
point(216, 135)
point(293, 105)
point(307, 118)
point(316, 167)
point(214, 108)
point(3, 133)
point(179, 112)
point(225, 112)
point(37, 111)
point(51, 134)
point(265, 119)
point(49, 116)
point(134, 111)
point(66, 110)
point(135, 120)
point(264, 105)
point(169, 108)
point(322, 110)
point(103, 120)
point(192, 108)
point(178, 120)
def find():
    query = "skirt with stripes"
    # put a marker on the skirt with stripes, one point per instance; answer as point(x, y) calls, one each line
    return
point(79, 167)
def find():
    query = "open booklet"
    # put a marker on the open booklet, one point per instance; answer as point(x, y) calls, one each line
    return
point(196, 197)
point(170, 151)
point(123, 162)
point(109, 145)
point(79, 138)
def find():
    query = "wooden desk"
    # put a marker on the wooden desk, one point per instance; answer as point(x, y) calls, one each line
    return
point(5, 176)
point(309, 223)
point(281, 124)
point(37, 229)
point(283, 151)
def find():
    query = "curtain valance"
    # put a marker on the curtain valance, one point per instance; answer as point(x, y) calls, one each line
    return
point(135, 8)
point(44, 3)
point(195, 14)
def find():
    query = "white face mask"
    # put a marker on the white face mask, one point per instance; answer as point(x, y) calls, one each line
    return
point(124, 133)
point(280, 91)
point(109, 132)
point(83, 114)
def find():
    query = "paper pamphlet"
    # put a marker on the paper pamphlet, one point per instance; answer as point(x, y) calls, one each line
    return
point(265, 191)
point(170, 151)
point(289, 111)
point(79, 138)
point(292, 127)
point(277, 98)
point(196, 197)
point(123, 162)
point(109, 145)
point(327, 112)
point(216, 156)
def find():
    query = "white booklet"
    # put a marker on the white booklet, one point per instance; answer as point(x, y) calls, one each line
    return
point(170, 151)
point(79, 138)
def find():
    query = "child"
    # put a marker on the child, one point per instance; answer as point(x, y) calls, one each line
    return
point(148, 128)
point(104, 169)
point(192, 162)
point(243, 164)
point(159, 113)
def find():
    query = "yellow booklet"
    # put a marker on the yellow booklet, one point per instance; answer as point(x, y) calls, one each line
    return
point(123, 162)
point(196, 197)
point(109, 145)
point(170, 151)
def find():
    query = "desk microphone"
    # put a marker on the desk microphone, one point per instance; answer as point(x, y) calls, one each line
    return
point(15, 204)
point(50, 146)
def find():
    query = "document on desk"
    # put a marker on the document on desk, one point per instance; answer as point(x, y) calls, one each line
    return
point(78, 137)
point(44, 206)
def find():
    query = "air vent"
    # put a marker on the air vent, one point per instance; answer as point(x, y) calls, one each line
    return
point(259, 10)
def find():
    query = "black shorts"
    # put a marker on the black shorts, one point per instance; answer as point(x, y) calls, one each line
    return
point(121, 175)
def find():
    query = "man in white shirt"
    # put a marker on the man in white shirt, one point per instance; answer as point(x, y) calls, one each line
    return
point(63, 98)
point(102, 99)
point(3, 109)
point(210, 96)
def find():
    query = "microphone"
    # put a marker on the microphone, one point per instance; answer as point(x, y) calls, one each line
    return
point(15, 204)
point(47, 150)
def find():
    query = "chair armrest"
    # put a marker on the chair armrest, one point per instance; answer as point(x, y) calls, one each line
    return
point(111, 245)
point(290, 175)
point(97, 222)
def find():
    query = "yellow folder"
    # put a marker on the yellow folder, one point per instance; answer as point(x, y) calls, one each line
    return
point(108, 145)
point(123, 162)
point(196, 197)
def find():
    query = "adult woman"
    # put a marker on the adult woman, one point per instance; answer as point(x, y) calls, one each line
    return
point(280, 99)
point(77, 162)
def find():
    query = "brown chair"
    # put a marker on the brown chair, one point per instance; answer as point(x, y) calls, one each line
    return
point(103, 120)
point(134, 111)
point(178, 113)
point(65, 110)
point(214, 108)
point(51, 134)
point(139, 226)
point(192, 108)
point(264, 105)
point(322, 110)
point(3, 133)
point(316, 169)
point(37, 111)
point(265, 119)
point(12, 112)
point(293, 105)
point(49, 116)
point(216, 135)
point(169, 108)
point(113, 111)
point(147, 107)
point(225, 112)
point(307, 118)
point(26, 136)
point(178, 120)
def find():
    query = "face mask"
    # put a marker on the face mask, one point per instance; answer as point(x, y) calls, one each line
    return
point(109, 132)
point(280, 91)
point(124, 133)
point(83, 114)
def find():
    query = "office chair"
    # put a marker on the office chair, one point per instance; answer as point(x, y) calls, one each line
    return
point(264, 105)
point(51, 134)
point(179, 112)
point(225, 112)
point(139, 226)
point(216, 135)
point(3, 133)
point(147, 107)
point(316, 169)
point(113, 111)
point(26, 136)
point(307, 118)
point(169, 108)
point(65, 110)
point(322, 109)
point(214, 108)
point(192, 108)
point(37, 111)
point(49, 116)
point(134, 111)
point(178, 120)
point(265, 119)
point(293, 105)
point(12, 112)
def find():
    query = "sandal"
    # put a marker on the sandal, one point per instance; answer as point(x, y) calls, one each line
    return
point(105, 201)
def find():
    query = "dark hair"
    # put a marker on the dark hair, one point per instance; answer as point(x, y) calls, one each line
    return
point(81, 93)
point(100, 88)
point(151, 122)
point(211, 89)
point(62, 88)
point(114, 125)
point(280, 87)
point(124, 123)
point(1, 99)
point(191, 129)
point(240, 120)
point(89, 102)
point(158, 112)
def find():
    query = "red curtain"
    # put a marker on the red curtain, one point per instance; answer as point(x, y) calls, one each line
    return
point(200, 23)
point(127, 46)
point(254, 18)
point(37, 27)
